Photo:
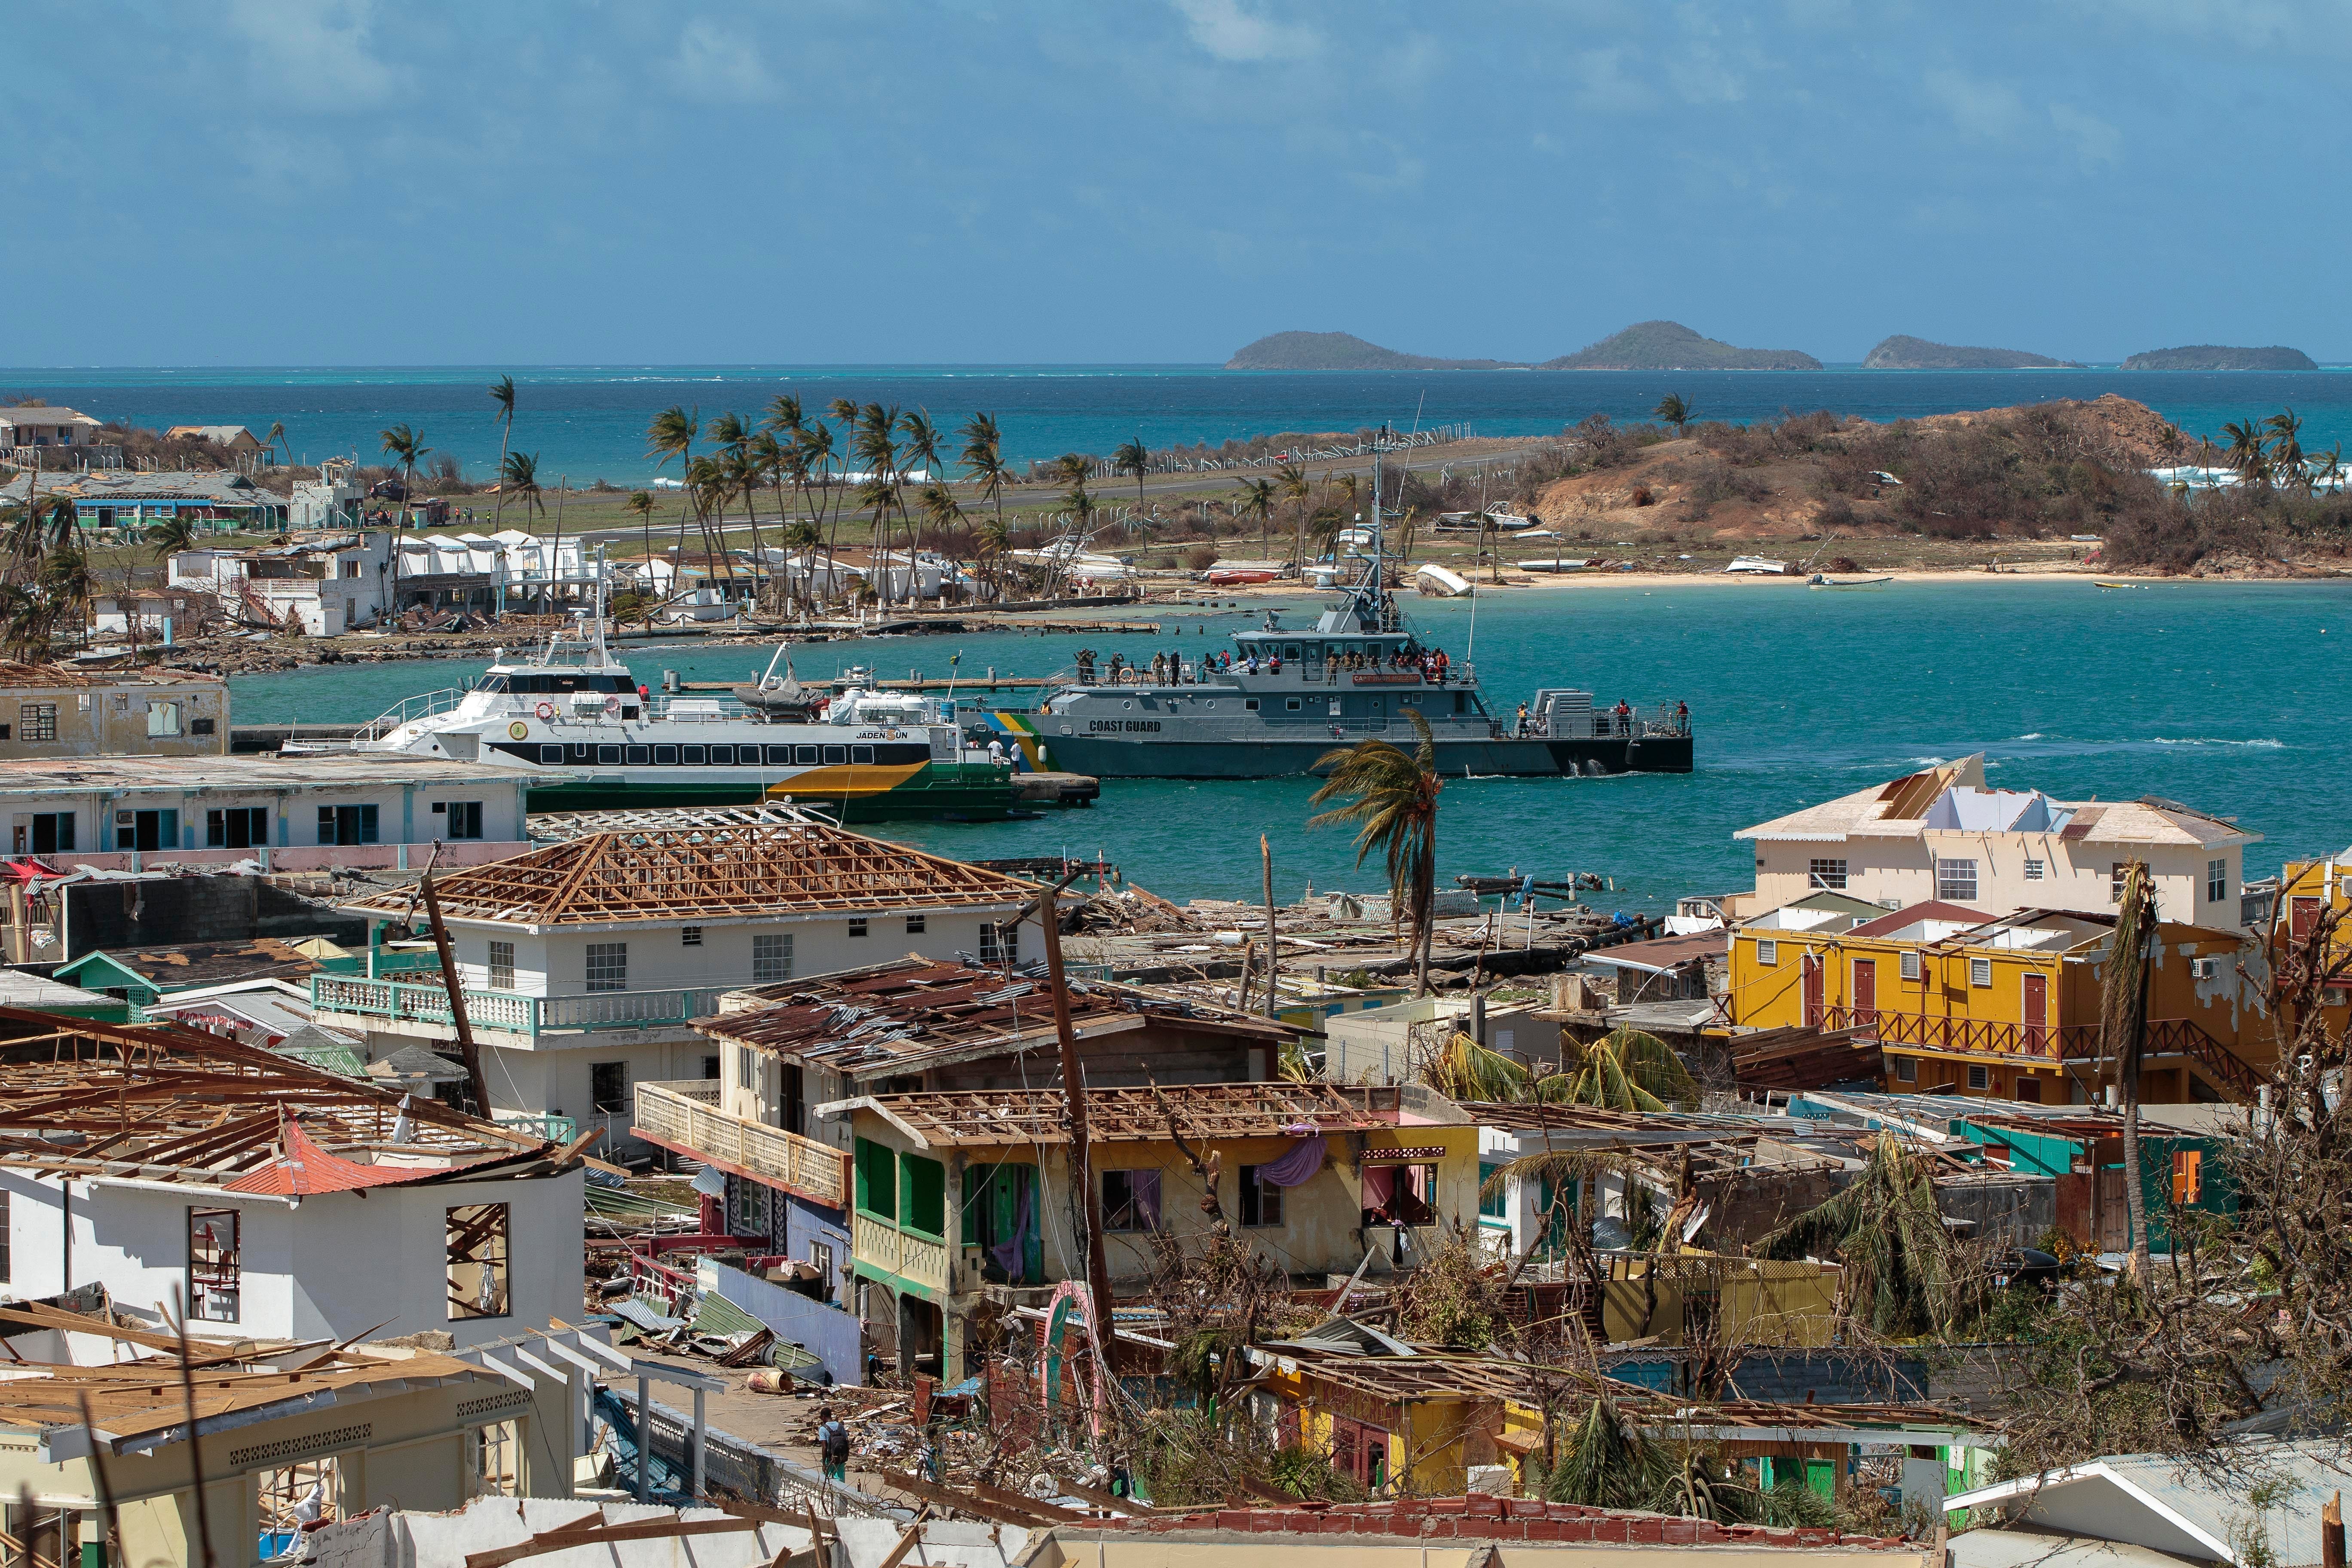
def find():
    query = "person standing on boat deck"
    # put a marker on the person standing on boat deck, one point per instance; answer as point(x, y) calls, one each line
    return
point(1624, 716)
point(1522, 730)
point(1682, 717)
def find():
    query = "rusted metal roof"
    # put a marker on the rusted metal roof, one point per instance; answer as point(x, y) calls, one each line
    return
point(1198, 1111)
point(915, 1011)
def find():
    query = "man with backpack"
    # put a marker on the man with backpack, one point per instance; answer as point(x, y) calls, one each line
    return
point(833, 1445)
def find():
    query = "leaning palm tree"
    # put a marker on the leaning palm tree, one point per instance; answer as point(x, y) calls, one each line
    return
point(816, 450)
point(2123, 1026)
point(802, 535)
point(983, 464)
point(1076, 469)
point(1257, 501)
point(1290, 482)
point(1134, 458)
point(171, 536)
point(1626, 1070)
point(502, 393)
point(1902, 1275)
point(2249, 451)
point(876, 445)
point(275, 441)
point(1392, 803)
point(2286, 453)
point(1676, 411)
point(409, 447)
point(671, 435)
point(24, 623)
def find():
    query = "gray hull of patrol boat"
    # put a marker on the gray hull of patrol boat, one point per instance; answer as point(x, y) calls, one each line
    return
point(1256, 757)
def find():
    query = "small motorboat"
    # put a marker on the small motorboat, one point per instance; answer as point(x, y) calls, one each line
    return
point(1559, 563)
point(1442, 581)
point(1823, 579)
point(1757, 566)
point(1236, 576)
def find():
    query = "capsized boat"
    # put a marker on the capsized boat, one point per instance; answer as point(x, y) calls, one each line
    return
point(1757, 566)
point(1442, 581)
point(571, 718)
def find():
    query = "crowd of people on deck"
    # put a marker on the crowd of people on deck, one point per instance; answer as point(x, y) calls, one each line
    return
point(1170, 668)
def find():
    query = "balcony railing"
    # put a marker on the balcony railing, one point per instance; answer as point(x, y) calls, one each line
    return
point(2051, 1042)
point(510, 1012)
point(684, 1116)
point(909, 1257)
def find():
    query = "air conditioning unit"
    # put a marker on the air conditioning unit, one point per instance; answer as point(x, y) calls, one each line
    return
point(2205, 969)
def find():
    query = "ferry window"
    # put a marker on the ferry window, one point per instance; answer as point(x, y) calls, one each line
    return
point(723, 755)
point(1290, 651)
point(641, 754)
point(215, 1267)
point(836, 754)
point(607, 966)
point(1293, 705)
point(746, 756)
point(771, 959)
point(665, 755)
point(501, 966)
point(347, 824)
point(806, 755)
point(464, 817)
point(1249, 704)
point(781, 756)
point(551, 754)
point(861, 753)
point(239, 827)
point(492, 683)
point(608, 753)
point(689, 755)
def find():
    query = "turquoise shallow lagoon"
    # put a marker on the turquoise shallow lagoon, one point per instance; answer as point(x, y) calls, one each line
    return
point(2232, 698)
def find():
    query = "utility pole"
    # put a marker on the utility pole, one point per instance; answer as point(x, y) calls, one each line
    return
point(1073, 1092)
point(1273, 970)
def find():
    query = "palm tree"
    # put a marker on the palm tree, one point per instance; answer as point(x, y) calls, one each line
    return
point(876, 446)
point(801, 534)
point(1675, 411)
point(816, 446)
point(518, 473)
point(946, 516)
point(1888, 1231)
point(2123, 1026)
point(983, 461)
point(1257, 501)
point(2287, 448)
point(409, 447)
point(169, 537)
point(24, 621)
point(1075, 469)
point(2248, 452)
point(1291, 483)
point(1392, 803)
point(642, 503)
point(1135, 458)
point(275, 439)
point(502, 393)
point(671, 435)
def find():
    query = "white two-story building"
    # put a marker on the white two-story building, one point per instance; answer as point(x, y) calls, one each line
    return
point(584, 963)
point(1942, 836)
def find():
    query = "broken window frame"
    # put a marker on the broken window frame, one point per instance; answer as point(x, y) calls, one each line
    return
point(479, 1237)
point(216, 1273)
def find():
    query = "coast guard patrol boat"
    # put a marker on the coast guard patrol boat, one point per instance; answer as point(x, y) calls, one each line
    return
point(1290, 696)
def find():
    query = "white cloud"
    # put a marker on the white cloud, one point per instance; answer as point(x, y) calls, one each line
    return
point(714, 63)
point(318, 56)
point(1230, 32)
point(1988, 109)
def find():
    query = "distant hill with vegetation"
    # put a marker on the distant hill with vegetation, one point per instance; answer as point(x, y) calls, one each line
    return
point(1341, 351)
point(1901, 352)
point(1670, 345)
point(2211, 356)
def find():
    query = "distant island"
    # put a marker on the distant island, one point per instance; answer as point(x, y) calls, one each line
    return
point(1670, 345)
point(1341, 351)
point(2211, 356)
point(1901, 352)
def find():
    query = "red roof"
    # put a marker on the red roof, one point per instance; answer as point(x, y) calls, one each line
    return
point(302, 1169)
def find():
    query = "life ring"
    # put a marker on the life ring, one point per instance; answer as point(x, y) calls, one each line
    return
point(545, 711)
point(518, 729)
point(612, 706)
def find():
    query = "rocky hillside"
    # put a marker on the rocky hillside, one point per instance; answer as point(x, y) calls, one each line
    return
point(2051, 469)
point(1900, 353)
point(1340, 351)
point(1670, 345)
point(2213, 356)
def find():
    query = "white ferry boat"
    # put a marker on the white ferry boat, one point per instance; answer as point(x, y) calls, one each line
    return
point(591, 738)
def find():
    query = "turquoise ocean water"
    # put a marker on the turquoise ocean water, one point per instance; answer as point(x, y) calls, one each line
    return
point(2228, 697)
point(589, 422)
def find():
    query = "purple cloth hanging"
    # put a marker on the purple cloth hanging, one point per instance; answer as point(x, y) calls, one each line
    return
point(1147, 1198)
point(1294, 1167)
point(1008, 1254)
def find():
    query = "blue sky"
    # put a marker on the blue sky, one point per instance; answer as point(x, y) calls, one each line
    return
point(341, 182)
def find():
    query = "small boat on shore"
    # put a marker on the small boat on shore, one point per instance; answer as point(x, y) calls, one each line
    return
point(1756, 566)
point(1238, 577)
point(1560, 564)
point(1441, 582)
point(1823, 579)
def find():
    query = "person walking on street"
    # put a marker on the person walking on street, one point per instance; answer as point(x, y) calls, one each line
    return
point(833, 1447)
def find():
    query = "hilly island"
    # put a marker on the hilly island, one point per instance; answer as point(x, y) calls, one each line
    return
point(2213, 356)
point(1645, 345)
point(1901, 352)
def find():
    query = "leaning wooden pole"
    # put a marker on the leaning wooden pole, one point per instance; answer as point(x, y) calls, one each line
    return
point(472, 1054)
point(1073, 1090)
point(1273, 967)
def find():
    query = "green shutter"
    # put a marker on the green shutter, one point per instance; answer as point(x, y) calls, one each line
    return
point(878, 1185)
point(922, 1195)
point(975, 1183)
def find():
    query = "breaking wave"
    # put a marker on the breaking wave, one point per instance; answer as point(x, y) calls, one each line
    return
point(2263, 744)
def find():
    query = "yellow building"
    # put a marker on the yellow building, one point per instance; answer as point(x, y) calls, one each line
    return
point(1962, 1002)
point(2307, 891)
point(961, 1197)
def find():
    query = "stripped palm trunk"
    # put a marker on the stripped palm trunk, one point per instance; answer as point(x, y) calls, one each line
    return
point(2122, 1017)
